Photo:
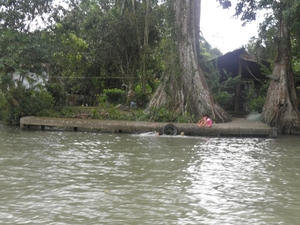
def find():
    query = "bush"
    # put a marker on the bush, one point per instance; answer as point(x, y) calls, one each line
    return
point(58, 93)
point(115, 95)
point(142, 98)
point(67, 111)
point(101, 100)
point(138, 115)
point(19, 102)
point(256, 98)
point(257, 104)
point(164, 115)
point(161, 114)
point(224, 99)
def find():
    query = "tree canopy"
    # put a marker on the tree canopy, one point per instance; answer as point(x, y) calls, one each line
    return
point(147, 51)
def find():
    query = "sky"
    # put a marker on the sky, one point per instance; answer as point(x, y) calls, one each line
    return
point(221, 30)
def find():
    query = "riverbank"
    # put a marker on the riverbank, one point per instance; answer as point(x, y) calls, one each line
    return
point(239, 127)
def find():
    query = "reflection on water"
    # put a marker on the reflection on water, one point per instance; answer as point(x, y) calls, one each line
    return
point(93, 178)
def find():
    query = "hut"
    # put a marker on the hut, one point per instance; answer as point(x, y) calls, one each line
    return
point(240, 63)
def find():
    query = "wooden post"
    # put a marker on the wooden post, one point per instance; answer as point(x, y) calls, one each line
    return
point(238, 89)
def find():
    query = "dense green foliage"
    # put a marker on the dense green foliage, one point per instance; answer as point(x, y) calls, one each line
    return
point(96, 52)
point(114, 95)
point(19, 102)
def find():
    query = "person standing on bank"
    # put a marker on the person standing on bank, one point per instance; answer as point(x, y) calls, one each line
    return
point(205, 121)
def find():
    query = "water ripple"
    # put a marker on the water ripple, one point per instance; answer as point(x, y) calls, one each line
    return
point(92, 178)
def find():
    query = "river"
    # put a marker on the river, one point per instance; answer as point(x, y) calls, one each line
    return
point(84, 178)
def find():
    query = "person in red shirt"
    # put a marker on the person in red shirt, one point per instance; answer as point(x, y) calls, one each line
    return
point(205, 121)
point(208, 122)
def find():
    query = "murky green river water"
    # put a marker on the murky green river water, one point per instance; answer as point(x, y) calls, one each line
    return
point(85, 178)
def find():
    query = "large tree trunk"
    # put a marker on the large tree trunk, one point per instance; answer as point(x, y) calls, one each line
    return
point(280, 109)
point(186, 90)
